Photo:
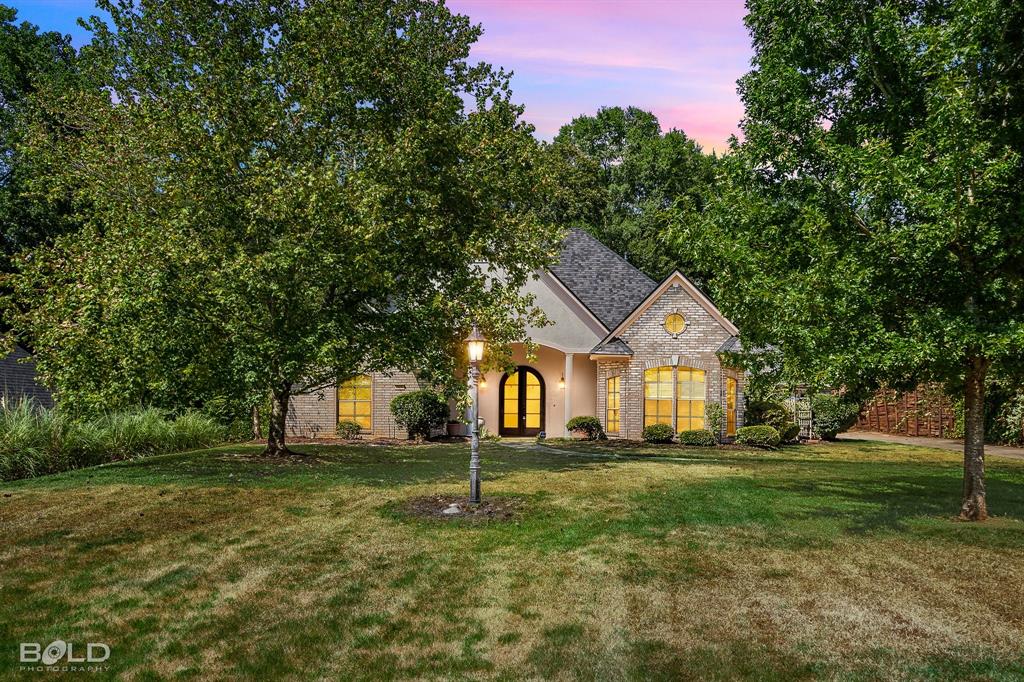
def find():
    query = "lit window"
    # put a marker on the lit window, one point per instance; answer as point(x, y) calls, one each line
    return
point(675, 323)
point(689, 399)
point(658, 396)
point(355, 401)
point(612, 409)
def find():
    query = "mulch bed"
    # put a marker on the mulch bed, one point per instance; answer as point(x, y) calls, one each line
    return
point(490, 508)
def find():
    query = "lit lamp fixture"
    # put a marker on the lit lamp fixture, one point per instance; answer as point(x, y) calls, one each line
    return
point(475, 346)
point(561, 382)
point(483, 381)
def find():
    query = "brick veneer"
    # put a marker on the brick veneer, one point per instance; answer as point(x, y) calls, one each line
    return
point(696, 346)
point(315, 414)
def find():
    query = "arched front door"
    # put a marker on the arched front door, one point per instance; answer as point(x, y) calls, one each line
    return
point(522, 403)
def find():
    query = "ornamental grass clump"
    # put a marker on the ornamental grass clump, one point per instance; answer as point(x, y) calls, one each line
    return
point(35, 441)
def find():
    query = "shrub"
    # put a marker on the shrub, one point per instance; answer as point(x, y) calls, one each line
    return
point(36, 441)
point(590, 427)
point(348, 430)
point(420, 412)
point(714, 417)
point(657, 433)
point(698, 437)
point(833, 415)
point(789, 432)
point(768, 412)
point(759, 436)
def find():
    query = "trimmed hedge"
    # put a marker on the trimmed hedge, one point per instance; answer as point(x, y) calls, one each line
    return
point(590, 427)
point(699, 437)
point(348, 430)
point(657, 433)
point(760, 436)
point(833, 415)
point(420, 412)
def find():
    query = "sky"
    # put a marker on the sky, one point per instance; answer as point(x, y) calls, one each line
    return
point(677, 58)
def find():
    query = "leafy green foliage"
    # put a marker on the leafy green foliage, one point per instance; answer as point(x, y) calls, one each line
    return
point(769, 412)
point(789, 432)
point(29, 60)
point(833, 414)
point(761, 436)
point(589, 427)
point(867, 230)
point(348, 430)
point(35, 441)
point(641, 175)
point(302, 190)
point(698, 437)
point(420, 412)
point(657, 433)
point(714, 417)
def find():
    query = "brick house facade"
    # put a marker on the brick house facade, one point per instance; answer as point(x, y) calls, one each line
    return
point(663, 345)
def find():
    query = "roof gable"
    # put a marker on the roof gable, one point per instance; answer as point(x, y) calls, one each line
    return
point(694, 293)
point(603, 281)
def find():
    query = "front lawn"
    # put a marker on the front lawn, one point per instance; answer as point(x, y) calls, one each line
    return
point(840, 560)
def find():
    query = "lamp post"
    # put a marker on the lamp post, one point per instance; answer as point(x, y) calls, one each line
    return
point(475, 345)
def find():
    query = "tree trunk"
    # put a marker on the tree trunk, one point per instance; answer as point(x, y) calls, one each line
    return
point(278, 414)
point(974, 507)
point(257, 428)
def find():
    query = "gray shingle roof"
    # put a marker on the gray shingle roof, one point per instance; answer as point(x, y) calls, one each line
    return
point(18, 379)
point(614, 346)
point(730, 345)
point(600, 278)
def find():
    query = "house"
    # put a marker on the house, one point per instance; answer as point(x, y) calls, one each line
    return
point(18, 379)
point(622, 347)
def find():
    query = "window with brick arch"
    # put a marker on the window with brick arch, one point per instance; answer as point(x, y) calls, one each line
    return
point(612, 408)
point(355, 401)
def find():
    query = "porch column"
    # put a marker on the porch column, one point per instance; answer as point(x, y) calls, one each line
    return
point(567, 398)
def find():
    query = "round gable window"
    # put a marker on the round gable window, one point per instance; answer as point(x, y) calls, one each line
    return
point(675, 323)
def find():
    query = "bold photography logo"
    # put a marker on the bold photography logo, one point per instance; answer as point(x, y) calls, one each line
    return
point(64, 656)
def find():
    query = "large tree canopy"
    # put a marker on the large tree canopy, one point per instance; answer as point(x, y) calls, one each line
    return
point(278, 193)
point(28, 60)
point(642, 174)
point(871, 225)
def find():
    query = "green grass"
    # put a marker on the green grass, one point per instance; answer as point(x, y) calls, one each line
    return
point(839, 561)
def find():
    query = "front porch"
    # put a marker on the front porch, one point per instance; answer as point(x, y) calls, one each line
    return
point(547, 391)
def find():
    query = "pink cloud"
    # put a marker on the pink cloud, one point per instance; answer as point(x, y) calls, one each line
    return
point(678, 59)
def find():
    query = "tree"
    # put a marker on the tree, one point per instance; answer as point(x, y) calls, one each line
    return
point(643, 174)
point(868, 229)
point(28, 59)
point(278, 194)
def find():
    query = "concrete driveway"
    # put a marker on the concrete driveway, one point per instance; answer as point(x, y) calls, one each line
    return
point(940, 443)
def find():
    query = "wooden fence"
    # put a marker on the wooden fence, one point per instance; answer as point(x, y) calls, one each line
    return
point(925, 411)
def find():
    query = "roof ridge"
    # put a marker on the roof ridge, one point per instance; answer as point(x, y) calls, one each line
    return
point(613, 252)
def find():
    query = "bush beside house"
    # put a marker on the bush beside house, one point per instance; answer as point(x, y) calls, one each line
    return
point(698, 437)
point(586, 428)
point(759, 436)
point(348, 429)
point(657, 433)
point(420, 412)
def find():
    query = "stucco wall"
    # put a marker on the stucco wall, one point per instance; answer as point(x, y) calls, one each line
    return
point(550, 364)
